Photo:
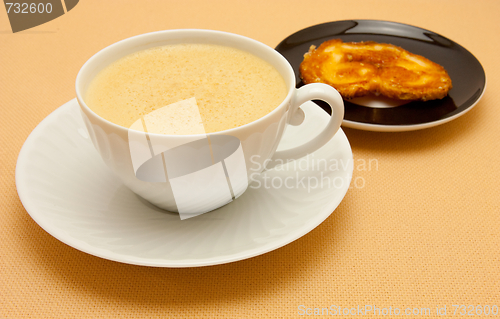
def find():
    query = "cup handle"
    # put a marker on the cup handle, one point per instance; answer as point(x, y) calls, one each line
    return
point(313, 91)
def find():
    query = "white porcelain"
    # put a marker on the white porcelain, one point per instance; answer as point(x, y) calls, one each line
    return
point(68, 190)
point(259, 139)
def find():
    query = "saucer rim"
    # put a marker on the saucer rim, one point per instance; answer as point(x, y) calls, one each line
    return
point(37, 213)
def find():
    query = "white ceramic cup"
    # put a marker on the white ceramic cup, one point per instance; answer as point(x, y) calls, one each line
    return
point(259, 139)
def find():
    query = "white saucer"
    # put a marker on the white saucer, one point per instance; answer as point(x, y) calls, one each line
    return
point(67, 189)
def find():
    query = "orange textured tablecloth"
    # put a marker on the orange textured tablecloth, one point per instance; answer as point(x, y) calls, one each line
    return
point(422, 232)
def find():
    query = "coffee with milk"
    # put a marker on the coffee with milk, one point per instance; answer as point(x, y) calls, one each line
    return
point(230, 87)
